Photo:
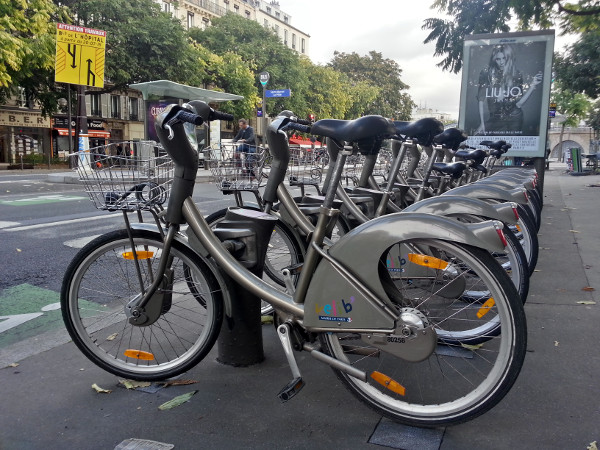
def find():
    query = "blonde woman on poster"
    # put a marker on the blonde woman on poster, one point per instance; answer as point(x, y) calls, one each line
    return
point(501, 87)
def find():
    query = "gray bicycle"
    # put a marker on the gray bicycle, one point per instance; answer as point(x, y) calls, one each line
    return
point(146, 302)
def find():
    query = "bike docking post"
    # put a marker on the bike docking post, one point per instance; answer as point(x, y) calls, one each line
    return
point(246, 234)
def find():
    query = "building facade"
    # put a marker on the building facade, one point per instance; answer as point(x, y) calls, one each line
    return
point(199, 13)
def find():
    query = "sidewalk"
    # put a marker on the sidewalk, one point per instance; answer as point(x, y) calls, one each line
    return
point(48, 402)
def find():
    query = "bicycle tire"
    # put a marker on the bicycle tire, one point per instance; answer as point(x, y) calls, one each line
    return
point(455, 383)
point(102, 279)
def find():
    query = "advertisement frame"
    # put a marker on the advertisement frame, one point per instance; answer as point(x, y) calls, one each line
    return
point(521, 117)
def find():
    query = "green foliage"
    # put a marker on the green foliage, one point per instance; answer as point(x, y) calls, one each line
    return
point(579, 68)
point(385, 75)
point(574, 106)
point(27, 44)
point(142, 42)
point(492, 16)
point(594, 117)
point(262, 50)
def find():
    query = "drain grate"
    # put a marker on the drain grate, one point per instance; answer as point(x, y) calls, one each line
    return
point(404, 437)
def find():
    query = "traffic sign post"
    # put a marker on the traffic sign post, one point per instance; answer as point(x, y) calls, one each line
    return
point(276, 93)
point(79, 55)
point(264, 79)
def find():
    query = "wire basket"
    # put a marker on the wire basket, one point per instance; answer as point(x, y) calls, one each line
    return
point(353, 168)
point(305, 167)
point(236, 170)
point(126, 176)
point(383, 164)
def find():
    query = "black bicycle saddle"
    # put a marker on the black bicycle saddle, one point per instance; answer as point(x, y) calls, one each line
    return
point(451, 138)
point(423, 130)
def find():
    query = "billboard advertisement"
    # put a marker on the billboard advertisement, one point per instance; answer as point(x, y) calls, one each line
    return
point(505, 89)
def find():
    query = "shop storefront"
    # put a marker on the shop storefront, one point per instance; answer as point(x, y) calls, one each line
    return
point(24, 135)
point(97, 134)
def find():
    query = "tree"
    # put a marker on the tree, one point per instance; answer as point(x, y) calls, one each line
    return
point(27, 45)
point(385, 75)
point(492, 16)
point(327, 94)
point(573, 106)
point(594, 118)
point(579, 68)
point(143, 43)
point(263, 51)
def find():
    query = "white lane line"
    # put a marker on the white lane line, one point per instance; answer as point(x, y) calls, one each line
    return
point(62, 222)
point(8, 224)
point(81, 242)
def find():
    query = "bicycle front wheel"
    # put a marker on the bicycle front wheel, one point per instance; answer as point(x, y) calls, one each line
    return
point(458, 380)
point(103, 279)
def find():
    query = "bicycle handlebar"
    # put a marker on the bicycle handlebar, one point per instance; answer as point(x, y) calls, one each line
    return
point(298, 127)
point(218, 115)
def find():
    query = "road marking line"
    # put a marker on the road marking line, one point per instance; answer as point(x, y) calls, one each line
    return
point(8, 224)
point(15, 320)
point(62, 222)
point(81, 242)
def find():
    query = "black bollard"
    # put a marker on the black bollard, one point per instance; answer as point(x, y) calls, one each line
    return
point(240, 341)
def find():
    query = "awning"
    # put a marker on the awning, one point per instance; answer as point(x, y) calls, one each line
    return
point(90, 133)
point(165, 88)
point(303, 141)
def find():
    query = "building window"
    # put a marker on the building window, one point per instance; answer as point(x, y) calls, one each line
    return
point(190, 20)
point(237, 9)
point(266, 24)
point(277, 14)
point(96, 105)
point(166, 6)
point(269, 9)
point(285, 34)
point(133, 108)
point(276, 27)
point(285, 18)
point(303, 48)
point(115, 107)
point(247, 13)
point(293, 40)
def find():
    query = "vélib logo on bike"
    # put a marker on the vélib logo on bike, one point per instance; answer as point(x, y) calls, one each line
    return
point(329, 311)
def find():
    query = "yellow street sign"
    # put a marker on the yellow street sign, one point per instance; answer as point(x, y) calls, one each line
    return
point(79, 55)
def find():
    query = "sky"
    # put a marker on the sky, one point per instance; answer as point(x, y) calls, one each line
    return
point(391, 27)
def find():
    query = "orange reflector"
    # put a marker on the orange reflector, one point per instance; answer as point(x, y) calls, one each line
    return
point(485, 308)
point(140, 255)
point(390, 384)
point(139, 354)
point(427, 261)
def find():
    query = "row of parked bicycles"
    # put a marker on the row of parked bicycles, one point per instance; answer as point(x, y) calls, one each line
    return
point(408, 282)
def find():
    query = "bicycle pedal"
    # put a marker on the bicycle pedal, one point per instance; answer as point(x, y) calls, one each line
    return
point(291, 389)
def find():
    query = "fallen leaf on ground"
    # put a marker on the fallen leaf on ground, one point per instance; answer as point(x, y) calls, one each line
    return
point(19, 250)
point(112, 337)
point(180, 399)
point(179, 382)
point(13, 365)
point(584, 302)
point(588, 289)
point(574, 231)
point(132, 384)
point(100, 390)
point(556, 343)
point(472, 347)
point(593, 446)
point(266, 319)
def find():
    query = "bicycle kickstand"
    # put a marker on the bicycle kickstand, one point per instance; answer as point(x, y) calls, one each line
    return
point(293, 387)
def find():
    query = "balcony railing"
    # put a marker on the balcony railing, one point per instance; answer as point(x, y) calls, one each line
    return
point(133, 117)
point(209, 6)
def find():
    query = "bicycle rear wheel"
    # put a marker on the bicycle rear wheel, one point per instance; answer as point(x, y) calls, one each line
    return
point(102, 280)
point(458, 380)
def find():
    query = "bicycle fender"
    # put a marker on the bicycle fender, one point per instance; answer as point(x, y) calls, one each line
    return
point(203, 254)
point(332, 302)
point(477, 190)
point(453, 205)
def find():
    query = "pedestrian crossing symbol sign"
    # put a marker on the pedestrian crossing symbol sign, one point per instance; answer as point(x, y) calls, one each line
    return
point(79, 55)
